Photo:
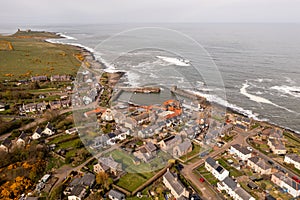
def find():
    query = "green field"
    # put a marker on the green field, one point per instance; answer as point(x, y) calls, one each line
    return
point(33, 56)
point(131, 181)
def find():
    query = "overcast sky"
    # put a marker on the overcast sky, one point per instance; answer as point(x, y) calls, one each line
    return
point(128, 11)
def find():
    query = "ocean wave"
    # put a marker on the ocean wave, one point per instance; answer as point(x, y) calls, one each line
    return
point(259, 99)
point(175, 61)
point(58, 41)
point(66, 36)
point(290, 90)
point(222, 102)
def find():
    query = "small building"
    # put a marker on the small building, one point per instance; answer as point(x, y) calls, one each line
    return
point(170, 142)
point(293, 159)
point(286, 183)
point(39, 78)
point(116, 195)
point(37, 133)
point(277, 146)
point(182, 148)
point(259, 165)
point(172, 183)
point(107, 164)
point(77, 193)
point(107, 115)
point(6, 145)
point(146, 152)
point(217, 170)
point(130, 123)
point(22, 139)
point(72, 131)
point(240, 151)
point(54, 105)
point(49, 129)
point(3, 106)
point(234, 190)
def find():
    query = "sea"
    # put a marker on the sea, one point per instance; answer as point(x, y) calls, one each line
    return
point(251, 68)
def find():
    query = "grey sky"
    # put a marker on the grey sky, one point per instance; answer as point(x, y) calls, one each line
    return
point(124, 11)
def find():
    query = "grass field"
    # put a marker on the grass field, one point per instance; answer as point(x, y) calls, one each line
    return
point(131, 181)
point(33, 56)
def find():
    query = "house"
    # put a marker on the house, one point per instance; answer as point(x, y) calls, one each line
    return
point(39, 78)
point(276, 146)
point(119, 117)
point(141, 118)
point(227, 129)
point(240, 151)
point(100, 141)
point(146, 152)
point(3, 106)
point(286, 183)
point(31, 107)
point(182, 148)
point(107, 115)
point(107, 164)
point(60, 78)
point(77, 193)
point(130, 123)
point(116, 195)
point(22, 139)
point(37, 133)
point(49, 129)
point(54, 105)
point(234, 190)
point(6, 145)
point(259, 165)
point(172, 183)
point(41, 106)
point(217, 170)
point(88, 179)
point(293, 159)
point(71, 131)
point(170, 142)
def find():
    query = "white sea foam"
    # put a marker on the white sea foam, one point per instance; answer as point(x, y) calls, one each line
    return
point(259, 99)
point(290, 90)
point(58, 41)
point(175, 61)
point(66, 36)
point(220, 101)
point(133, 78)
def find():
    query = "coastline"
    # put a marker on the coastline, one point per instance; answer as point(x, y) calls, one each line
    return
point(91, 52)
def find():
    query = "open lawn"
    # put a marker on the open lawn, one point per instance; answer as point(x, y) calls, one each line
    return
point(128, 164)
point(207, 175)
point(131, 181)
point(233, 172)
point(33, 56)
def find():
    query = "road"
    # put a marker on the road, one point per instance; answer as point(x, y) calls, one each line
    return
point(207, 191)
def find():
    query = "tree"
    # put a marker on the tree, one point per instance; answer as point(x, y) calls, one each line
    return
point(103, 180)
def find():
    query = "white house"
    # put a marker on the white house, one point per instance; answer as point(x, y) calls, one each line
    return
point(286, 183)
point(293, 159)
point(49, 129)
point(22, 140)
point(240, 151)
point(217, 170)
point(6, 145)
point(71, 131)
point(234, 190)
point(37, 133)
point(77, 193)
point(277, 146)
point(259, 165)
point(171, 182)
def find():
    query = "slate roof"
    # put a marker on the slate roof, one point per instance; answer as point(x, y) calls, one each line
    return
point(214, 165)
point(116, 194)
point(175, 184)
point(242, 193)
point(241, 149)
point(288, 180)
point(88, 179)
point(109, 162)
point(277, 143)
point(78, 190)
point(7, 142)
point(230, 183)
point(261, 163)
point(49, 126)
point(150, 147)
point(172, 140)
point(183, 147)
point(38, 130)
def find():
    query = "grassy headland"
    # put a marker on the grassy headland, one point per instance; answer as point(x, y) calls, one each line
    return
point(26, 53)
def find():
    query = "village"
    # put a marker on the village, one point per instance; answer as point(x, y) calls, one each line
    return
point(66, 137)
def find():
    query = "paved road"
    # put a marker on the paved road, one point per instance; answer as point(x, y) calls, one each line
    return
point(207, 191)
